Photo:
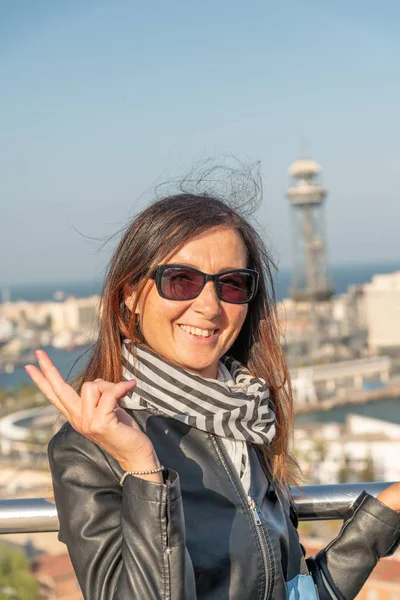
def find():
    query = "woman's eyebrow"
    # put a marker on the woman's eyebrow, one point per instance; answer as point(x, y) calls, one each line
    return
point(187, 264)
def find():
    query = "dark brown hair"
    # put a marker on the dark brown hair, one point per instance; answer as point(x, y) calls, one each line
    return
point(156, 233)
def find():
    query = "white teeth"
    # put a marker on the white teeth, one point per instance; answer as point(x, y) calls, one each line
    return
point(197, 331)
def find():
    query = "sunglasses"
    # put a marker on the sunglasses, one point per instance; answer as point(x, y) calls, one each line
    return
point(178, 282)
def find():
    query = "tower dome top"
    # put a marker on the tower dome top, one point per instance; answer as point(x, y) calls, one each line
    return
point(304, 166)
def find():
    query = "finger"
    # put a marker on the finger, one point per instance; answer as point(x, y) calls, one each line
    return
point(109, 388)
point(105, 386)
point(44, 386)
point(64, 392)
point(111, 393)
point(90, 397)
point(105, 392)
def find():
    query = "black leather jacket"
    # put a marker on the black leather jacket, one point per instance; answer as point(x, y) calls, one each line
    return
point(198, 536)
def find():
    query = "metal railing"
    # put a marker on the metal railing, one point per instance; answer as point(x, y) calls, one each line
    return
point(314, 503)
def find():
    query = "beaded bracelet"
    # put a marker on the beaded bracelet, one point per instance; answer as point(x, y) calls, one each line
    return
point(151, 472)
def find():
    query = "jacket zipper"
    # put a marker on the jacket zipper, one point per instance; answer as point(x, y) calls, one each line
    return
point(167, 551)
point(253, 511)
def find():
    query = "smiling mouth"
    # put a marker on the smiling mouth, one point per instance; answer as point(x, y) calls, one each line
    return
point(197, 331)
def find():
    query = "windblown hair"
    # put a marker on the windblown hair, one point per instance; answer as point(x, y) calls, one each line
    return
point(155, 234)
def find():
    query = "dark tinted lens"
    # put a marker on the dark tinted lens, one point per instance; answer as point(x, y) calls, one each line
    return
point(180, 283)
point(236, 287)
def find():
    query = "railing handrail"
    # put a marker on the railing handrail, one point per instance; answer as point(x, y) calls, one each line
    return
point(313, 503)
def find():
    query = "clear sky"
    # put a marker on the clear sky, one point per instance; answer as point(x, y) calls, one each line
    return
point(102, 99)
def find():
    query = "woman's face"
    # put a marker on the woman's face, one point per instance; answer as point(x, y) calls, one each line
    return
point(165, 323)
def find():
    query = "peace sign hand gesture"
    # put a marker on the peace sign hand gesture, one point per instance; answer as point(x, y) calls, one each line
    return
point(97, 415)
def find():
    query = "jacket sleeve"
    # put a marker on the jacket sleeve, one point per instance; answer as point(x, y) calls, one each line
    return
point(370, 531)
point(123, 542)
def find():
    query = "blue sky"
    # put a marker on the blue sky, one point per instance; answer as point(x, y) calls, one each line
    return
point(102, 100)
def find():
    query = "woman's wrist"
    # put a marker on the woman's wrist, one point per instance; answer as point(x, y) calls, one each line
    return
point(153, 477)
point(147, 462)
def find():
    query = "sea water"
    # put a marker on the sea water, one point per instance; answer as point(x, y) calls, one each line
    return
point(342, 277)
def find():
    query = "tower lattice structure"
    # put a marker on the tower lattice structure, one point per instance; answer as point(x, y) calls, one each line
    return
point(310, 281)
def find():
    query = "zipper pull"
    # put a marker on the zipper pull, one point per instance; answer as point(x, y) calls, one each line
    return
point(253, 507)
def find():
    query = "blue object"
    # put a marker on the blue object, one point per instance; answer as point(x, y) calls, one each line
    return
point(302, 587)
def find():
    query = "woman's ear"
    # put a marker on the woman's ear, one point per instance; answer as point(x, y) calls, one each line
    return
point(129, 296)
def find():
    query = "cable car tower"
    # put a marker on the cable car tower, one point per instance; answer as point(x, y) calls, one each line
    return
point(310, 281)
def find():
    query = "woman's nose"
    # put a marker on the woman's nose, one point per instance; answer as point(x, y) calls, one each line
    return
point(207, 302)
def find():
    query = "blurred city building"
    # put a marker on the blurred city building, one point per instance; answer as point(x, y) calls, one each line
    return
point(317, 384)
point(362, 449)
point(70, 323)
point(56, 577)
point(382, 299)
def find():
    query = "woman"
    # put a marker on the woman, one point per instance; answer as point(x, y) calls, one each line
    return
point(171, 475)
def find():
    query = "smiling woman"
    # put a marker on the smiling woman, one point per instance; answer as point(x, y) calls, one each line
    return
point(199, 329)
point(171, 476)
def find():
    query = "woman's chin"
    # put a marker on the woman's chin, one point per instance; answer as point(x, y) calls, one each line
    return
point(200, 364)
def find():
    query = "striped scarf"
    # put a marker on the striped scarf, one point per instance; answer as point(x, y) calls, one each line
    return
point(239, 408)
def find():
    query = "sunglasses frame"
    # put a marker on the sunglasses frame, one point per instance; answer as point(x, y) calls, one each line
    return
point(159, 271)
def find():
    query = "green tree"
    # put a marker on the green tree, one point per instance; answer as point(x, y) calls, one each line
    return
point(16, 581)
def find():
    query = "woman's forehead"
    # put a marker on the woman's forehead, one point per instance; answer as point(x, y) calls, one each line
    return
point(219, 249)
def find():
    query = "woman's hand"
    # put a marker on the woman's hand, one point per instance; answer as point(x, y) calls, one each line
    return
point(391, 497)
point(97, 415)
